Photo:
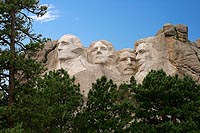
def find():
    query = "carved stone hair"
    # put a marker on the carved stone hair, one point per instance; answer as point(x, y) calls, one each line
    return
point(108, 44)
point(112, 53)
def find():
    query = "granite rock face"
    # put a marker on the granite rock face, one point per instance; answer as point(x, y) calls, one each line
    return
point(169, 50)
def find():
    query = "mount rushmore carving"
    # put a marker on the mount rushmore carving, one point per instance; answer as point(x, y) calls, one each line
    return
point(169, 50)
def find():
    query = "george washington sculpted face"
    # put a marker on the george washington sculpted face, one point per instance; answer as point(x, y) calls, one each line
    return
point(69, 47)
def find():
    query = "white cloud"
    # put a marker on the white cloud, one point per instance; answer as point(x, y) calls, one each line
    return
point(49, 16)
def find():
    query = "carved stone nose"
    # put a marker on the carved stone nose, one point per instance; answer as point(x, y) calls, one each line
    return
point(59, 48)
point(129, 61)
point(98, 52)
point(137, 58)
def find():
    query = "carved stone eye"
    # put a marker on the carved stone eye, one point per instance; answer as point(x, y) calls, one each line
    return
point(94, 49)
point(123, 59)
point(65, 43)
point(142, 51)
point(133, 59)
point(103, 48)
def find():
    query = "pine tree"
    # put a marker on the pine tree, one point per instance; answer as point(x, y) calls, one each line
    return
point(51, 106)
point(108, 109)
point(125, 105)
point(62, 100)
point(98, 115)
point(167, 104)
point(15, 56)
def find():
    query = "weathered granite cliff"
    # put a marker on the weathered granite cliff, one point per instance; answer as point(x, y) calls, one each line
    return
point(169, 50)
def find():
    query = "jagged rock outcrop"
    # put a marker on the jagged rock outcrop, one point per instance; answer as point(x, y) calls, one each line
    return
point(171, 51)
point(48, 55)
point(48, 47)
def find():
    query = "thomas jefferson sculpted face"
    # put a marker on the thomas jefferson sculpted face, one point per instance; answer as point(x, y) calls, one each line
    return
point(127, 62)
point(100, 52)
point(69, 47)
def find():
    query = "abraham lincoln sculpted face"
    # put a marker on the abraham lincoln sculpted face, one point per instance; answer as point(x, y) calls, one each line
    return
point(144, 55)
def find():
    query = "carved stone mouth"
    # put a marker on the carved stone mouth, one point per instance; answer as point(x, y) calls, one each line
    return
point(140, 63)
point(74, 52)
point(99, 56)
point(128, 69)
point(61, 54)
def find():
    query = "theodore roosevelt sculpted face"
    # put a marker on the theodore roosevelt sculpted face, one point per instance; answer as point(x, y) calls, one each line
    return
point(127, 62)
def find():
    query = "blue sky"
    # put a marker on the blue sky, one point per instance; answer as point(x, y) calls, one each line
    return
point(120, 22)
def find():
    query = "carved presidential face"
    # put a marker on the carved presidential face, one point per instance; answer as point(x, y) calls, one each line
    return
point(99, 53)
point(68, 47)
point(127, 63)
point(143, 54)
